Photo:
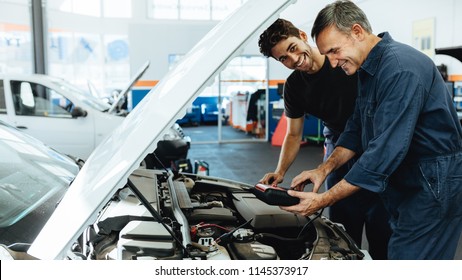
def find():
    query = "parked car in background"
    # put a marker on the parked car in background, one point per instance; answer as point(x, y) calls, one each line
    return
point(73, 121)
point(115, 210)
point(56, 112)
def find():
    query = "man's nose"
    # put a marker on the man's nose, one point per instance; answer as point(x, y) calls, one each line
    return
point(333, 61)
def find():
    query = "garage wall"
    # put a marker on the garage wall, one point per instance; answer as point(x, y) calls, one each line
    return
point(399, 16)
point(156, 41)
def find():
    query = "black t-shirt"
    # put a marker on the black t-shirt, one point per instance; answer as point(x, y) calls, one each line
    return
point(329, 95)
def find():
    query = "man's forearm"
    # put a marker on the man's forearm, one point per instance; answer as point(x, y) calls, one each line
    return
point(338, 192)
point(289, 151)
point(338, 158)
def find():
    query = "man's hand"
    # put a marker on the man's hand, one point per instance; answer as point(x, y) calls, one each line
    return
point(272, 179)
point(310, 203)
point(315, 176)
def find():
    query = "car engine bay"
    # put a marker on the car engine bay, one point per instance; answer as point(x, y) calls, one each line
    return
point(160, 215)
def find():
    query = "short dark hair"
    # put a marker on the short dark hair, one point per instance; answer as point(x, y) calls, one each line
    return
point(342, 14)
point(281, 29)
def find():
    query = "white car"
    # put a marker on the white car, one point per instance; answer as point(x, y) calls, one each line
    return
point(114, 210)
point(60, 114)
point(56, 112)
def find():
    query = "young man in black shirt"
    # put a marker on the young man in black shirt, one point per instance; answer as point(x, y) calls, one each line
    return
point(317, 89)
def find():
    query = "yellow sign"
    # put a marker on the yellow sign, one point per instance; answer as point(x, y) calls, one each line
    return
point(423, 36)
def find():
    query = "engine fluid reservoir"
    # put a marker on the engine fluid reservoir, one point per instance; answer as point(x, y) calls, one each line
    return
point(219, 254)
point(253, 251)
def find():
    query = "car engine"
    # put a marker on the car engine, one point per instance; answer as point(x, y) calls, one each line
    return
point(160, 215)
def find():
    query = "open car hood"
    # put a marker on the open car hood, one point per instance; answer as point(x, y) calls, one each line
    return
point(111, 163)
point(455, 52)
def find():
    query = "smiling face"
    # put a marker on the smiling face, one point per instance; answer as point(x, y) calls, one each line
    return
point(295, 53)
point(343, 50)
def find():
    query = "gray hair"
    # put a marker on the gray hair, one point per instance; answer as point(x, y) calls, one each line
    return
point(342, 14)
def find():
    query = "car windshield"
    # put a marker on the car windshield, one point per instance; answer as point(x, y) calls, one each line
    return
point(30, 173)
point(83, 96)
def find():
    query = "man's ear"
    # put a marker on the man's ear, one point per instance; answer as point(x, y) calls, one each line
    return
point(358, 32)
point(303, 35)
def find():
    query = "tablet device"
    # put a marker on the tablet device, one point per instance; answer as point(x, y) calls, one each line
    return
point(274, 195)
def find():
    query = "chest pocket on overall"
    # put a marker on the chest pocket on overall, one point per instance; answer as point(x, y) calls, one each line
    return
point(370, 107)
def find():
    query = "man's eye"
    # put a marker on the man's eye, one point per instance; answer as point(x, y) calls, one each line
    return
point(282, 59)
point(293, 48)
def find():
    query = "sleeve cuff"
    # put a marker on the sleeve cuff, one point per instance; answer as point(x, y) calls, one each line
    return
point(366, 179)
point(346, 142)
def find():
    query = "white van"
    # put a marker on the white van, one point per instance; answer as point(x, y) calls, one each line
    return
point(56, 112)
